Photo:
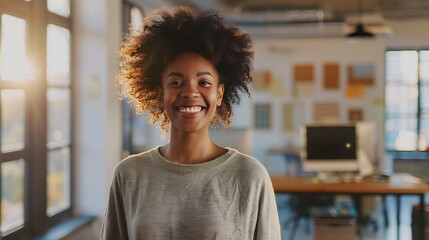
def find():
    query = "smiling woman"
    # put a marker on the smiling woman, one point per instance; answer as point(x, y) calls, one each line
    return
point(191, 92)
point(161, 39)
point(185, 68)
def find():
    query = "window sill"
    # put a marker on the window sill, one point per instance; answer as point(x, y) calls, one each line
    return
point(64, 229)
point(413, 155)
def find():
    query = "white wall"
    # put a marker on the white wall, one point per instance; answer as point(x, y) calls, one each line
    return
point(409, 34)
point(279, 55)
point(98, 137)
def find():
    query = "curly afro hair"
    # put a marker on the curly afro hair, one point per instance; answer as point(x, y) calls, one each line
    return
point(146, 51)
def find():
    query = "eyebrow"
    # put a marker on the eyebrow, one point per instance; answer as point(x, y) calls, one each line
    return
point(203, 73)
point(181, 75)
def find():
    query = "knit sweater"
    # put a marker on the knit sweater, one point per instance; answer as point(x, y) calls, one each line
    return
point(230, 197)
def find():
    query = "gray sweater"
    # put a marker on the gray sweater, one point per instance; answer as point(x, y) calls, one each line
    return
point(230, 197)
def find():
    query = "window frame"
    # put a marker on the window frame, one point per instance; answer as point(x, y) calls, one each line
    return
point(128, 112)
point(35, 152)
point(407, 154)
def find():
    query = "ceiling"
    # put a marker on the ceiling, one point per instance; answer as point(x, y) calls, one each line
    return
point(389, 9)
point(270, 17)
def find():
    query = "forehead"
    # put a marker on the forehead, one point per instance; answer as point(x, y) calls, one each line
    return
point(189, 61)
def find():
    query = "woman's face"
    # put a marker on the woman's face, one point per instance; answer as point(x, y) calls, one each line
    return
point(191, 92)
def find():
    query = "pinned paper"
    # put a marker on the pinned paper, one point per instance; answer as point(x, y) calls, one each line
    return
point(304, 89)
point(355, 91)
point(326, 111)
point(303, 73)
point(277, 88)
point(287, 117)
point(262, 114)
point(378, 101)
point(356, 115)
point(362, 73)
point(261, 80)
point(331, 76)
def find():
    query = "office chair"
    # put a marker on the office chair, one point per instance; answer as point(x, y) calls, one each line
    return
point(302, 205)
point(363, 220)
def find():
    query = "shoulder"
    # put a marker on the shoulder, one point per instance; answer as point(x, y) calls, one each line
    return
point(249, 167)
point(249, 162)
point(134, 162)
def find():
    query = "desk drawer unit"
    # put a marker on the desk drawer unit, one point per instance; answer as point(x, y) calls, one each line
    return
point(334, 228)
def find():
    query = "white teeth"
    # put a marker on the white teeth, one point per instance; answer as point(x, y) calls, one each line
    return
point(190, 109)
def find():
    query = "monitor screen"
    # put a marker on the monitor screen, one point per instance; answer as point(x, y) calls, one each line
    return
point(331, 142)
point(330, 147)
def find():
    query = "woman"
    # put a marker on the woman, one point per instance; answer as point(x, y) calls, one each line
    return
point(185, 69)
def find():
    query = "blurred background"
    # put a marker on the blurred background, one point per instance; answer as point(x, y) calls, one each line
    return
point(315, 61)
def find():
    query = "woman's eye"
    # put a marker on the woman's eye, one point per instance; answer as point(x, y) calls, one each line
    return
point(205, 83)
point(175, 84)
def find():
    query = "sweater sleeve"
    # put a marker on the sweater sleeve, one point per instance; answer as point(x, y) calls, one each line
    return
point(268, 225)
point(114, 225)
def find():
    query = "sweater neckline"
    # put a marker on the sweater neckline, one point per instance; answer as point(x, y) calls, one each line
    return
point(158, 159)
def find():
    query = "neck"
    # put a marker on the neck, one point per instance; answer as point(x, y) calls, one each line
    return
point(191, 148)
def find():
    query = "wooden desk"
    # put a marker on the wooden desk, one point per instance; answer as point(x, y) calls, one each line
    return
point(398, 184)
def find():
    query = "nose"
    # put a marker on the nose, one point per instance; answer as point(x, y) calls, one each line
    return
point(190, 91)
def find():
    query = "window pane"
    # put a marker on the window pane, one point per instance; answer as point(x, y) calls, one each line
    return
point(401, 133)
point(401, 99)
point(424, 97)
point(424, 66)
point(12, 120)
point(60, 7)
point(58, 181)
point(12, 194)
point(136, 16)
point(14, 64)
point(58, 55)
point(59, 109)
point(424, 134)
point(262, 116)
point(139, 133)
point(402, 66)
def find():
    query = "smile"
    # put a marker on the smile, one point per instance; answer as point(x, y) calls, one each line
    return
point(193, 109)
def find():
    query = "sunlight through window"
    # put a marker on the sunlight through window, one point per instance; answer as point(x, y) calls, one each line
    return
point(409, 63)
point(12, 194)
point(58, 55)
point(12, 112)
point(14, 62)
point(60, 7)
point(58, 181)
point(136, 17)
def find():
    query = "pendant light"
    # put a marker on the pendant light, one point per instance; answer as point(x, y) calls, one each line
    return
point(360, 31)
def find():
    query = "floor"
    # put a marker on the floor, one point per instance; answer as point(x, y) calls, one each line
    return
point(367, 233)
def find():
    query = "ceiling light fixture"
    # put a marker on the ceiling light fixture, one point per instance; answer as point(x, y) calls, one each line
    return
point(359, 27)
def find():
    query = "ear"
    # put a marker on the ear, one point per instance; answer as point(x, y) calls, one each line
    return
point(220, 91)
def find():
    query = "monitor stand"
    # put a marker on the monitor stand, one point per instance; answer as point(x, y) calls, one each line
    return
point(365, 165)
point(365, 168)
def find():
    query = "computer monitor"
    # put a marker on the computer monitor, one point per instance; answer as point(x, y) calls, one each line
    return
point(329, 148)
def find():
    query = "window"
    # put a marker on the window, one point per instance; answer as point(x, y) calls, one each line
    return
point(262, 116)
point(58, 118)
point(35, 116)
point(135, 132)
point(407, 100)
